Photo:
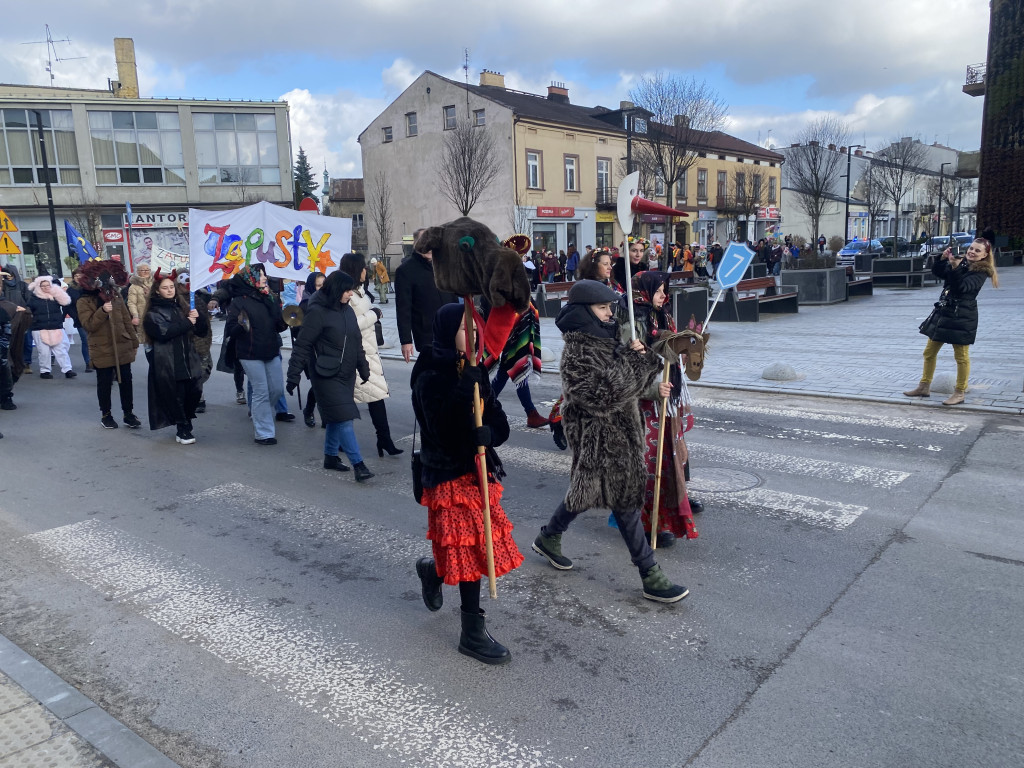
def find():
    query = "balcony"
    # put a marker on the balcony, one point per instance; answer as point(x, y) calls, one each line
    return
point(606, 198)
point(733, 204)
point(975, 81)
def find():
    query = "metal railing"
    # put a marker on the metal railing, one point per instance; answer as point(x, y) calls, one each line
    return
point(975, 74)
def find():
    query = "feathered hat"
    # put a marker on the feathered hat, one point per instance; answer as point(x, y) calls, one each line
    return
point(105, 276)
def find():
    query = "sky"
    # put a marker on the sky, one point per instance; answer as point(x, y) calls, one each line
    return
point(889, 69)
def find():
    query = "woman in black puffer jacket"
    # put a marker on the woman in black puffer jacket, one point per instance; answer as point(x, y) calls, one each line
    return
point(955, 317)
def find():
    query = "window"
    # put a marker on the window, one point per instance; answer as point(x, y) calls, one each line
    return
point(723, 185)
point(137, 147)
point(479, 117)
point(533, 170)
point(236, 148)
point(449, 118)
point(639, 125)
point(357, 220)
point(702, 184)
point(757, 187)
point(387, 134)
point(681, 187)
point(410, 124)
point(604, 180)
point(659, 183)
point(741, 185)
point(571, 177)
point(21, 161)
point(771, 189)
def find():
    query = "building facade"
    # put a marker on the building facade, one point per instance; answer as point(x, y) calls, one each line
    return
point(109, 148)
point(346, 200)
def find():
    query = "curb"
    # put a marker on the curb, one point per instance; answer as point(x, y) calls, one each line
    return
point(113, 740)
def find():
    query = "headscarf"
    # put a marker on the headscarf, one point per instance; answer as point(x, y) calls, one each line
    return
point(251, 276)
point(645, 285)
point(447, 322)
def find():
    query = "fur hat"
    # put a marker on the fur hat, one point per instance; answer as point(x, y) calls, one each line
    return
point(591, 292)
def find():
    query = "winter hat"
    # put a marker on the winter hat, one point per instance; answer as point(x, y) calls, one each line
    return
point(591, 292)
point(447, 321)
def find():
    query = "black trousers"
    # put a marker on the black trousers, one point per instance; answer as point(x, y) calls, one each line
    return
point(630, 527)
point(6, 377)
point(239, 374)
point(105, 381)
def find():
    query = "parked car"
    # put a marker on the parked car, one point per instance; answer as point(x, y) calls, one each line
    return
point(847, 256)
point(902, 245)
point(934, 246)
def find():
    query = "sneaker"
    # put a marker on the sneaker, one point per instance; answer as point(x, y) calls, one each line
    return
point(46, 375)
point(27, 369)
point(108, 421)
point(658, 587)
point(284, 417)
point(184, 437)
point(201, 406)
point(7, 404)
point(69, 374)
point(240, 398)
point(551, 548)
point(266, 441)
point(132, 421)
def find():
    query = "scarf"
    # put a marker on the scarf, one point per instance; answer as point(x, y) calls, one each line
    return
point(521, 354)
point(251, 276)
point(659, 321)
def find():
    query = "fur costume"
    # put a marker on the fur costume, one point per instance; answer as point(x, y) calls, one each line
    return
point(602, 382)
point(469, 260)
point(111, 337)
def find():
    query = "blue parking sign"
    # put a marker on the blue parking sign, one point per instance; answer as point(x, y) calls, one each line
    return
point(734, 263)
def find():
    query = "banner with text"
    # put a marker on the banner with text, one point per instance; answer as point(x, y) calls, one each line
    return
point(288, 243)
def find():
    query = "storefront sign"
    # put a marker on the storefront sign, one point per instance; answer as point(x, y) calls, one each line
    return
point(550, 212)
point(652, 218)
point(157, 219)
point(113, 235)
point(770, 212)
point(604, 217)
point(707, 215)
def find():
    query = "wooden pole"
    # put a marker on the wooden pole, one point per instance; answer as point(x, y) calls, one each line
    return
point(657, 467)
point(481, 451)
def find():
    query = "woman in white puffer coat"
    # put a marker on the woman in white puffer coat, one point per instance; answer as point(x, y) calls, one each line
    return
point(374, 390)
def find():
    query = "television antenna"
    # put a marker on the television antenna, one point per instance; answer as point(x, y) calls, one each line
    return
point(51, 52)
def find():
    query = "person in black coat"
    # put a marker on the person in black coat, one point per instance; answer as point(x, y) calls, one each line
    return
point(175, 369)
point(417, 298)
point(254, 326)
point(314, 282)
point(330, 346)
point(955, 317)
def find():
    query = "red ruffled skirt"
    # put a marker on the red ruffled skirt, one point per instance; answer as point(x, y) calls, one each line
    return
point(674, 514)
point(456, 530)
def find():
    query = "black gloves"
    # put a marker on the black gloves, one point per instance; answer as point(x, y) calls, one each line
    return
point(483, 436)
point(471, 374)
point(558, 435)
point(290, 388)
point(364, 374)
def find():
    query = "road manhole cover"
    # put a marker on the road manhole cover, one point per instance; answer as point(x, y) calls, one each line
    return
point(716, 480)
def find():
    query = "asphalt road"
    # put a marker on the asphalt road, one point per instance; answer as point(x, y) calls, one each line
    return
point(857, 593)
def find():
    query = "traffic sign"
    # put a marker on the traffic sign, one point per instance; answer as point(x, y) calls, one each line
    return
point(6, 225)
point(734, 263)
point(8, 246)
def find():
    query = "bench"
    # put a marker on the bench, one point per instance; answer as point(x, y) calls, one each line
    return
point(911, 272)
point(550, 297)
point(750, 298)
point(862, 285)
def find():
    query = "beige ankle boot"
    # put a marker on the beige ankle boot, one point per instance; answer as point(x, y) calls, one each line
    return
point(924, 389)
point(955, 399)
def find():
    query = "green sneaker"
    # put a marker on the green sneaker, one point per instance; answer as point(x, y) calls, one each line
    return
point(551, 548)
point(658, 587)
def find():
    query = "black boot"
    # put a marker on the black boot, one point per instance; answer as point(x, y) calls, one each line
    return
point(379, 416)
point(477, 642)
point(363, 472)
point(335, 462)
point(387, 444)
point(430, 583)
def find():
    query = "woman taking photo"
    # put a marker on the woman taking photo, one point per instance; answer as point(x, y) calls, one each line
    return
point(330, 347)
point(176, 368)
point(374, 390)
point(254, 324)
point(955, 317)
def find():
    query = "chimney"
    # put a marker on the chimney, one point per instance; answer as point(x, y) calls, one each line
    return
point(833, 148)
point(813, 143)
point(859, 152)
point(494, 79)
point(558, 92)
point(624, 105)
point(127, 72)
point(795, 144)
point(681, 121)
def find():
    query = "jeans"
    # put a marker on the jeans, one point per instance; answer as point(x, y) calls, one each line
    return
point(962, 355)
point(104, 382)
point(280, 405)
point(267, 382)
point(630, 528)
point(501, 379)
point(340, 434)
point(27, 358)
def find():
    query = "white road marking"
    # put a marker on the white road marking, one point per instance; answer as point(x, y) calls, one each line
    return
point(797, 465)
point(887, 422)
point(792, 506)
point(710, 424)
point(349, 686)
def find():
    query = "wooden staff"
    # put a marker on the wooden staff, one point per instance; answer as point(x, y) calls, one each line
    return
point(481, 451)
point(657, 466)
point(113, 340)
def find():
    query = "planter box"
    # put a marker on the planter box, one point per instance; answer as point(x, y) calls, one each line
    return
point(689, 300)
point(1005, 258)
point(818, 286)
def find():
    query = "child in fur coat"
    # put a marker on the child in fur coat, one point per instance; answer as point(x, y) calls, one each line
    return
point(602, 384)
point(48, 303)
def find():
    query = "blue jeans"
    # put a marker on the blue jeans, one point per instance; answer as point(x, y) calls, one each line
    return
point(28, 350)
point(280, 405)
point(340, 434)
point(501, 379)
point(267, 383)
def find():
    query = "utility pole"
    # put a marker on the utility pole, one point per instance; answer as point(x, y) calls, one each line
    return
point(938, 209)
point(49, 192)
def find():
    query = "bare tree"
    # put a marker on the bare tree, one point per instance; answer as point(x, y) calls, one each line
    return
point(682, 112)
point(869, 189)
point(519, 214)
point(748, 194)
point(85, 217)
point(898, 167)
point(247, 177)
point(469, 164)
point(814, 170)
point(381, 210)
point(950, 189)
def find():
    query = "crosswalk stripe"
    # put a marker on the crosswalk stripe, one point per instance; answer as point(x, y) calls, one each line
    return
point(345, 684)
point(887, 422)
point(799, 465)
point(792, 506)
point(707, 423)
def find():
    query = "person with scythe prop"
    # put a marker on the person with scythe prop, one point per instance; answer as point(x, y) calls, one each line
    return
point(457, 472)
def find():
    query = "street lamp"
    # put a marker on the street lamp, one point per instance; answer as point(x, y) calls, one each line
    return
point(938, 212)
point(847, 225)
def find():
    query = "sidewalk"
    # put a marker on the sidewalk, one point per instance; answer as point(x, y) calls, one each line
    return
point(46, 722)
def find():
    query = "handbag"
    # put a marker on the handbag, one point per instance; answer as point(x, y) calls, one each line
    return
point(328, 366)
point(931, 323)
point(51, 337)
point(417, 468)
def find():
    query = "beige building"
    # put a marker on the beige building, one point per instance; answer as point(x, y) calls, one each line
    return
point(108, 147)
point(347, 201)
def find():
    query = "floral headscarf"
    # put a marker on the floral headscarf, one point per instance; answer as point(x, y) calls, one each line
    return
point(645, 285)
point(251, 276)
